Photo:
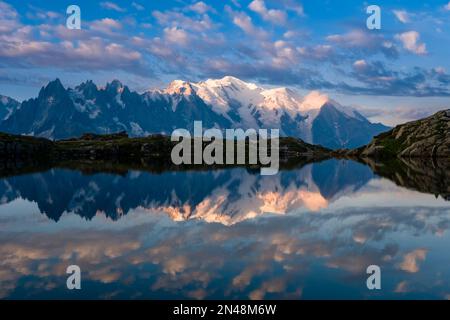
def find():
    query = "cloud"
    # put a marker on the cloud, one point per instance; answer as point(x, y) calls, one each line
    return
point(319, 52)
point(410, 260)
point(447, 6)
point(361, 41)
point(111, 6)
point(265, 72)
point(271, 15)
point(378, 79)
point(182, 38)
point(291, 5)
point(106, 25)
point(200, 7)
point(244, 22)
point(38, 13)
point(402, 16)
point(178, 19)
point(8, 18)
point(73, 51)
point(176, 35)
point(372, 72)
point(410, 41)
point(138, 6)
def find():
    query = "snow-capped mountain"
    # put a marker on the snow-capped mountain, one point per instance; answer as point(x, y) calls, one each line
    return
point(222, 103)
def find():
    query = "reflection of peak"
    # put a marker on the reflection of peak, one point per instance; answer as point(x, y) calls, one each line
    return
point(336, 178)
point(224, 196)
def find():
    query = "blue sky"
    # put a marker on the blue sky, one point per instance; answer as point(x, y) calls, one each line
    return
point(398, 73)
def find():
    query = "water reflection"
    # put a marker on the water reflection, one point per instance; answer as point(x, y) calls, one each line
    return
point(305, 233)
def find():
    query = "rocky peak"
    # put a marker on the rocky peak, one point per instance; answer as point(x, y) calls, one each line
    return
point(53, 92)
point(114, 87)
point(54, 87)
point(88, 88)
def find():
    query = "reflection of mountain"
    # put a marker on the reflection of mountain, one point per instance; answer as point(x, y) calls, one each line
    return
point(423, 175)
point(337, 177)
point(226, 196)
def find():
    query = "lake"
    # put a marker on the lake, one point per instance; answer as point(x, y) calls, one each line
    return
point(308, 232)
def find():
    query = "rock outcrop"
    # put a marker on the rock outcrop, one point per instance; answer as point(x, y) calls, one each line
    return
point(425, 138)
point(23, 147)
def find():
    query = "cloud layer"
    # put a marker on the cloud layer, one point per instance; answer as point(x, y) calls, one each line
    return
point(261, 40)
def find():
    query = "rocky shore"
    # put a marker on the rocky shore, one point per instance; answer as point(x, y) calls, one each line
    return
point(121, 146)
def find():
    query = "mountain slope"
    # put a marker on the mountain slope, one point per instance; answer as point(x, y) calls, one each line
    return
point(7, 106)
point(222, 103)
point(335, 129)
point(425, 138)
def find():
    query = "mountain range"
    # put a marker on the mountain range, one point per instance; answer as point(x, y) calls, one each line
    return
point(59, 112)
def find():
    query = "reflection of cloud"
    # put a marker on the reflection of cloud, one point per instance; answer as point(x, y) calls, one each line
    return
point(197, 260)
point(410, 260)
point(243, 279)
point(401, 287)
point(270, 286)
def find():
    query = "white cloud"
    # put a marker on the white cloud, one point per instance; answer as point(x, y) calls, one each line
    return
point(176, 35)
point(111, 6)
point(175, 19)
point(200, 7)
point(402, 16)
point(106, 25)
point(447, 6)
point(244, 22)
point(410, 41)
point(8, 18)
point(271, 15)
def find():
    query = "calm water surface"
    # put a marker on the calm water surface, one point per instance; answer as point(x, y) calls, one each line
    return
point(302, 234)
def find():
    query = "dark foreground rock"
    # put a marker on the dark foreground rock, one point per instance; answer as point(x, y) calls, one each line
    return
point(24, 147)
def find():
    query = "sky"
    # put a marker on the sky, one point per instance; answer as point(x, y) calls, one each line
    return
point(397, 73)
